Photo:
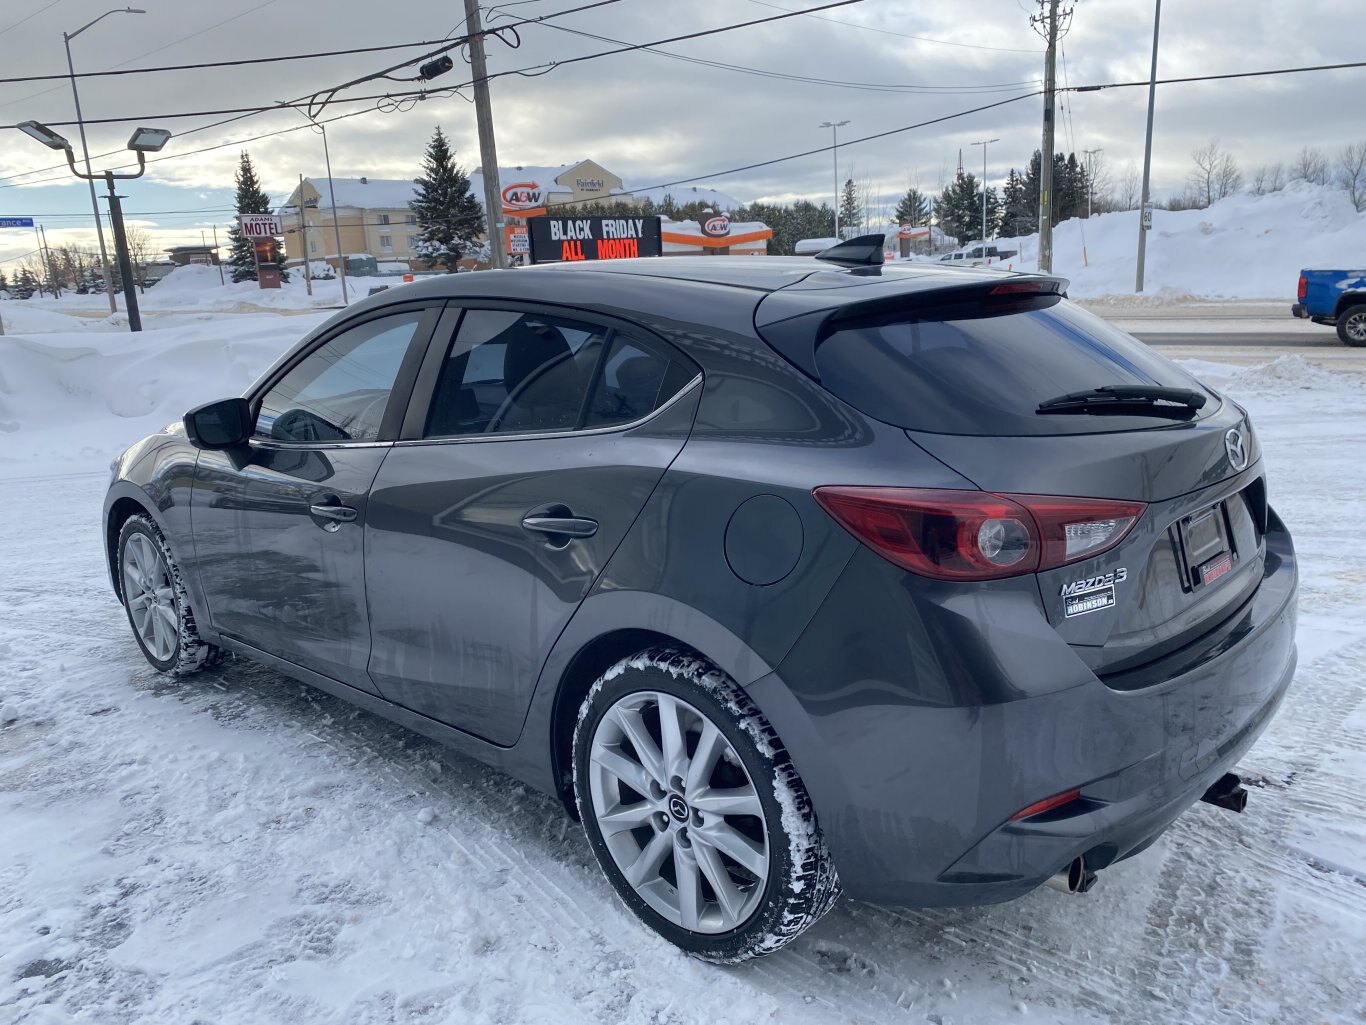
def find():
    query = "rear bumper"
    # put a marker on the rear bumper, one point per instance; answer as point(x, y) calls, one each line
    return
point(1299, 311)
point(917, 754)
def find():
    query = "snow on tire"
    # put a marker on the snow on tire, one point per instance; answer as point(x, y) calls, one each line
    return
point(157, 604)
point(694, 810)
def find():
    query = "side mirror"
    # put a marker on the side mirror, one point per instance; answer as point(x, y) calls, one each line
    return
point(223, 424)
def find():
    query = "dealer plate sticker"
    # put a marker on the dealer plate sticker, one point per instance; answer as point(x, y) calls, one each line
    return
point(1089, 601)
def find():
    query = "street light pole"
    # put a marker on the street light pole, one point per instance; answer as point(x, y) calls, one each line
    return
point(834, 127)
point(1143, 211)
point(984, 144)
point(85, 152)
point(1090, 176)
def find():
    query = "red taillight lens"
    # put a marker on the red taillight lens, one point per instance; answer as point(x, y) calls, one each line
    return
point(1047, 804)
point(1303, 292)
point(976, 535)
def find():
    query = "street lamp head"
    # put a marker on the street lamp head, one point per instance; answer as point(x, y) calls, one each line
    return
point(133, 10)
point(148, 140)
point(832, 124)
point(44, 134)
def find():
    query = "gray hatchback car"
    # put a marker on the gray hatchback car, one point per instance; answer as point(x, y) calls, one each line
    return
point(787, 576)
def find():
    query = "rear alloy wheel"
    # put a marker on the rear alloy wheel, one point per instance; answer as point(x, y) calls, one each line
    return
point(1352, 326)
point(156, 602)
point(682, 788)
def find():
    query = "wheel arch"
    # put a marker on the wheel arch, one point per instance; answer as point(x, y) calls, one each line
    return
point(1347, 300)
point(123, 501)
point(608, 627)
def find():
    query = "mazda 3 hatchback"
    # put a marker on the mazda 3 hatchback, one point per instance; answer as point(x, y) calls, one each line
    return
point(787, 576)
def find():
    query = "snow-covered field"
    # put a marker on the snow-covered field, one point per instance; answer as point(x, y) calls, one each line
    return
point(238, 848)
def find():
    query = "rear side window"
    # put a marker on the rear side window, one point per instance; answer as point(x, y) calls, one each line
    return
point(512, 372)
point(957, 371)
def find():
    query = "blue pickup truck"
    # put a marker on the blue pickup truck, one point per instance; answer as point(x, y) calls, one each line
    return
point(1335, 297)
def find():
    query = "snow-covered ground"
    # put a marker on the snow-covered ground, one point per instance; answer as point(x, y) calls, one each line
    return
point(1242, 247)
point(238, 848)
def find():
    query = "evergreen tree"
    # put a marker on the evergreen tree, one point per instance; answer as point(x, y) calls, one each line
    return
point(450, 220)
point(25, 284)
point(4, 281)
point(851, 210)
point(250, 200)
point(960, 209)
point(668, 207)
point(913, 208)
point(1019, 207)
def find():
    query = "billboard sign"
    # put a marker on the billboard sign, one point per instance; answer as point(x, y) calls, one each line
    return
point(523, 199)
point(565, 239)
point(257, 226)
point(716, 226)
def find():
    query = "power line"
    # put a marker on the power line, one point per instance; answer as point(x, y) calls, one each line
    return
point(946, 90)
point(1217, 78)
point(889, 32)
point(30, 17)
point(222, 64)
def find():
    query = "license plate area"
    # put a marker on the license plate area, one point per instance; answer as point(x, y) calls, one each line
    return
point(1204, 541)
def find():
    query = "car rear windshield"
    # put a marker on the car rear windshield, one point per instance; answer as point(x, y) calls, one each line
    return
point(970, 369)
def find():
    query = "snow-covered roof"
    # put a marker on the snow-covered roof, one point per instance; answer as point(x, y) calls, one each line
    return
point(396, 193)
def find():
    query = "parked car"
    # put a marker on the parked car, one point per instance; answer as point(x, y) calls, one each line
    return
point(1336, 297)
point(784, 575)
point(979, 255)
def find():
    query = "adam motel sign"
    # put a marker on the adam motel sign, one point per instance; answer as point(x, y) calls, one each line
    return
point(255, 226)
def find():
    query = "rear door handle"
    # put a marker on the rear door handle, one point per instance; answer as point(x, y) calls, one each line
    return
point(561, 526)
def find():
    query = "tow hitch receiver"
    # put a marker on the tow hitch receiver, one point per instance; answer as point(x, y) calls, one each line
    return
point(1227, 792)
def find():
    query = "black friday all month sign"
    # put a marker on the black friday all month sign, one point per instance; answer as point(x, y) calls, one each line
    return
point(566, 239)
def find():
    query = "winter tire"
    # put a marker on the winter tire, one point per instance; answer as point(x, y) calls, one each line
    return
point(1352, 326)
point(157, 604)
point(694, 809)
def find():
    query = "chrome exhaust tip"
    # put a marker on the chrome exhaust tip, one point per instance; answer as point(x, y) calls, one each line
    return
point(1074, 878)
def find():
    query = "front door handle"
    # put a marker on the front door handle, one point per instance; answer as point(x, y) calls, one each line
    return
point(561, 526)
point(330, 510)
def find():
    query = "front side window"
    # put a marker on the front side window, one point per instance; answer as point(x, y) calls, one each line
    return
point(339, 392)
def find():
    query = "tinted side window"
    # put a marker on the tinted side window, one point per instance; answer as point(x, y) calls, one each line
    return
point(635, 380)
point(514, 372)
point(340, 390)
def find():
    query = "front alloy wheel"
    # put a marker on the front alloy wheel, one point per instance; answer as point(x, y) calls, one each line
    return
point(150, 597)
point(694, 809)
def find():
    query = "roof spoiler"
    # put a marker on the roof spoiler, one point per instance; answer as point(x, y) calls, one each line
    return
point(864, 251)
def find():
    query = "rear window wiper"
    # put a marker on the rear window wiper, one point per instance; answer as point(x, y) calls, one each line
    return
point(1128, 400)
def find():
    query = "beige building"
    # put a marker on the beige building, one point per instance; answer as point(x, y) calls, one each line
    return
point(375, 221)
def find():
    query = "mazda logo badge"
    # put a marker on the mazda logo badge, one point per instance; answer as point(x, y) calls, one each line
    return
point(678, 808)
point(1236, 448)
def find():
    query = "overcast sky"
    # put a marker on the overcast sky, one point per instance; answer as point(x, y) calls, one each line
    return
point(652, 118)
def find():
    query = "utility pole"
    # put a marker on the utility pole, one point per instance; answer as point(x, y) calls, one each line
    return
point(984, 144)
point(218, 256)
point(488, 151)
point(130, 292)
point(1046, 155)
point(303, 235)
point(51, 268)
point(1145, 210)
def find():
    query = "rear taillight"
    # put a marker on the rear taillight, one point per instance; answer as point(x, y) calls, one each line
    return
point(977, 535)
point(1303, 291)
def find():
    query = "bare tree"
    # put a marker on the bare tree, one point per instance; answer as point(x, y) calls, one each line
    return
point(139, 254)
point(1130, 191)
point(1351, 173)
point(1268, 178)
point(1310, 166)
point(1101, 180)
point(1214, 176)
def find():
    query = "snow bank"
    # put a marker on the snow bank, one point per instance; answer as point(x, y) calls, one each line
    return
point(74, 400)
point(1243, 247)
point(22, 317)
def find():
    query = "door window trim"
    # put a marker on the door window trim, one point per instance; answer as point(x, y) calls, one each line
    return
point(424, 388)
point(399, 396)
